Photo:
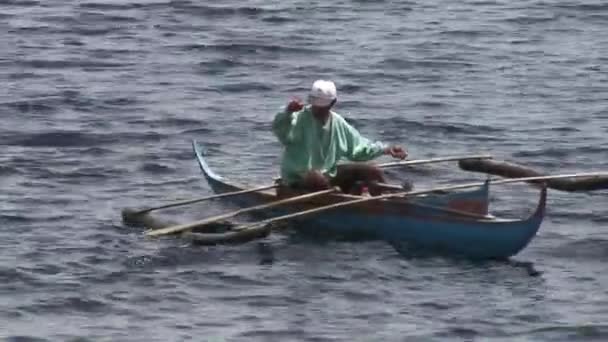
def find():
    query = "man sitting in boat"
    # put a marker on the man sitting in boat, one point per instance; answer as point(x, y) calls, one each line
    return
point(316, 138)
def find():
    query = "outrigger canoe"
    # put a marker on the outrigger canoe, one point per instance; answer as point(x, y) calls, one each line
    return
point(456, 222)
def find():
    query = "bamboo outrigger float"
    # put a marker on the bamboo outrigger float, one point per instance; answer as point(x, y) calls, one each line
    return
point(510, 170)
point(452, 219)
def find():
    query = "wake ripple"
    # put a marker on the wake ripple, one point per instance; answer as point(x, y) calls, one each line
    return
point(76, 139)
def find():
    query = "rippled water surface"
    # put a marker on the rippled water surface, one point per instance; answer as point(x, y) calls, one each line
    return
point(100, 100)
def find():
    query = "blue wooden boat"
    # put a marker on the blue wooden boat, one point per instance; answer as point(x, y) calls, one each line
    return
point(433, 222)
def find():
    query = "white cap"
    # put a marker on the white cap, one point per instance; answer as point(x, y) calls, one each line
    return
point(322, 93)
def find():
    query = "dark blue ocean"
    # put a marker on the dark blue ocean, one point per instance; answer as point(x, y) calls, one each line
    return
point(99, 102)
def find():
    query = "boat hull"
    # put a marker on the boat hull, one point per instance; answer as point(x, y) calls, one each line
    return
point(421, 222)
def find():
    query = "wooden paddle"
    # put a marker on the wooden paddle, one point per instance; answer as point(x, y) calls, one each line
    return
point(261, 225)
point(196, 224)
point(433, 160)
point(226, 194)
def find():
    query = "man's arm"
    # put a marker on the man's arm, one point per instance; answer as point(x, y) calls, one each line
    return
point(360, 148)
point(283, 121)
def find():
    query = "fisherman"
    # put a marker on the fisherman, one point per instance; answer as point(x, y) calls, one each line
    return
point(315, 139)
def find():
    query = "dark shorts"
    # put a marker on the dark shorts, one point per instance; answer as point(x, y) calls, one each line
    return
point(349, 177)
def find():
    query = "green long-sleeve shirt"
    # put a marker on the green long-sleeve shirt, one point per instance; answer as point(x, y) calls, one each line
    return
point(309, 145)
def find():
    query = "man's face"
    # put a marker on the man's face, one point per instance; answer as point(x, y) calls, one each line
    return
point(319, 111)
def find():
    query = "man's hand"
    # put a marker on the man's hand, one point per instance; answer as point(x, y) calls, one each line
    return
point(295, 105)
point(396, 152)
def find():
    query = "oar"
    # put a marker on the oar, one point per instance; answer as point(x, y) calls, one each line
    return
point(226, 194)
point(196, 224)
point(261, 225)
point(433, 160)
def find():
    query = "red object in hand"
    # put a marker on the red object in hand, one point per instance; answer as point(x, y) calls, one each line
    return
point(295, 105)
